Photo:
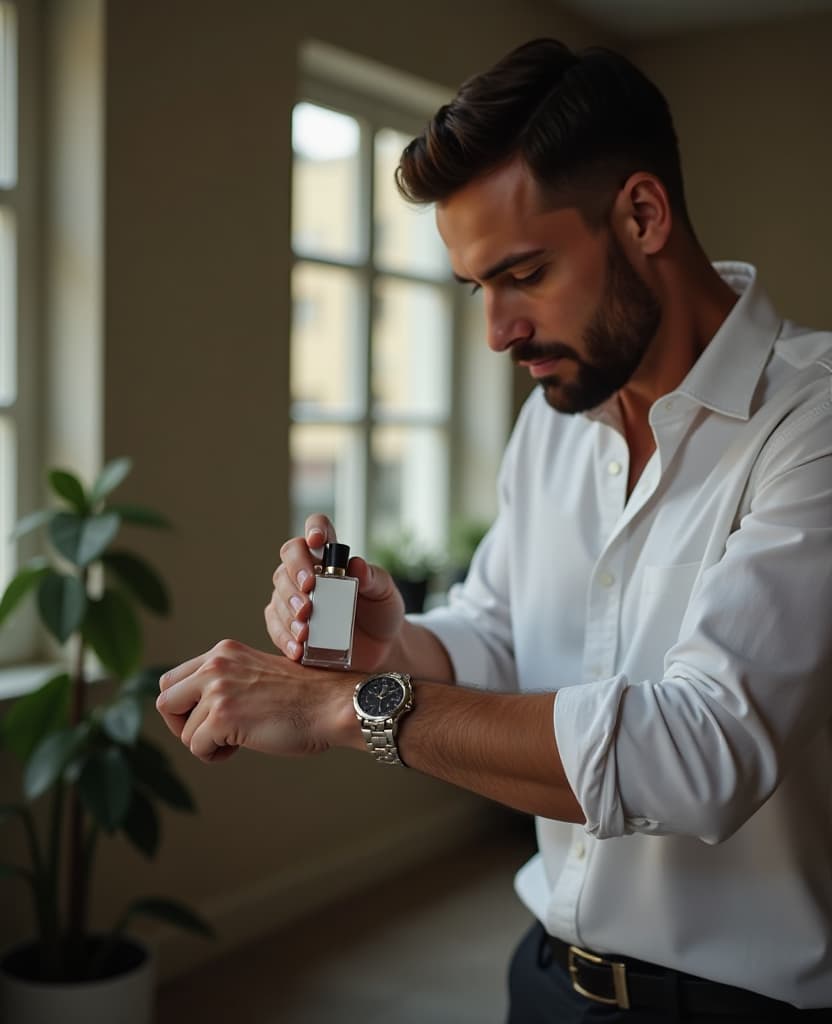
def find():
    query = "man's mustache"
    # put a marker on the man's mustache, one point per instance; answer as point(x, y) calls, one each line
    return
point(534, 351)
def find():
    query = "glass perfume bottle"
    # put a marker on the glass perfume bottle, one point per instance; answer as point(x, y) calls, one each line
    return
point(329, 643)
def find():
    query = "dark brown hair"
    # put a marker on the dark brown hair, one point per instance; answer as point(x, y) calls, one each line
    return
point(582, 122)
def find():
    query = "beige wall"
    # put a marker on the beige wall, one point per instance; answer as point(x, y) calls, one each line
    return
point(752, 109)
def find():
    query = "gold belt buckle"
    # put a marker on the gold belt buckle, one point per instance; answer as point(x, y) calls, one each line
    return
point(619, 977)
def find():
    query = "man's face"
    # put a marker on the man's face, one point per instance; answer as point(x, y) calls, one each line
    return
point(562, 299)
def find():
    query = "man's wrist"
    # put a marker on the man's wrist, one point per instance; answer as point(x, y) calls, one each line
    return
point(346, 731)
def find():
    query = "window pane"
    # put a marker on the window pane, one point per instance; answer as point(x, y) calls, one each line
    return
point(406, 238)
point(410, 479)
point(328, 476)
point(8, 373)
point(326, 205)
point(327, 360)
point(411, 349)
point(8, 96)
point(7, 492)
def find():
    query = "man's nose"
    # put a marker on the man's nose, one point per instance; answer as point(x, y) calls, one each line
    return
point(505, 326)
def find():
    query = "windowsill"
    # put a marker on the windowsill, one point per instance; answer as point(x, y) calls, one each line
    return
point(18, 680)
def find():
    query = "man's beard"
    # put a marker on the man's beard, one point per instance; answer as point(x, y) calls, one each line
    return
point(615, 341)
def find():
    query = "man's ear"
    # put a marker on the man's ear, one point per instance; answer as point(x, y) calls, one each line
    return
point(642, 214)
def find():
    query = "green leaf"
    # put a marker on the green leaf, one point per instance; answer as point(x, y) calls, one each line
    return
point(123, 720)
point(152, 771)
point(31, 718)
point(62, 602)
point(171, 913)
point(49, 758)
point(105, 786)
point(141, 826)
point(109, 478)
point(32, 522)
point(22, 583)
point(113, 632)
point(144, 684)
point(139, 515)
point(140, 578)
point(82, 539)
point(69, 487)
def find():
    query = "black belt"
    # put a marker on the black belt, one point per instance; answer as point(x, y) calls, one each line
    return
point(633, 984)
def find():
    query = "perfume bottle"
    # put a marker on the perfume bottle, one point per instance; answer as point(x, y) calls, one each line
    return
point(329, 643)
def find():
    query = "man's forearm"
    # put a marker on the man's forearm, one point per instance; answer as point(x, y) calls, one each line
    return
point(501, 746)
point(422, 654)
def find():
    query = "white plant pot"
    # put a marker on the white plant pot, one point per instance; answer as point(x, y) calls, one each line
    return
point(124, 999)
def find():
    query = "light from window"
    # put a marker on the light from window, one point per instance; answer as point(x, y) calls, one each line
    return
point(411, 480)
point(372, 338)
point(328, 343)
point(411, 341)
point(8, 96)
point(406, 236)
point(325, 190)
point(328, 476)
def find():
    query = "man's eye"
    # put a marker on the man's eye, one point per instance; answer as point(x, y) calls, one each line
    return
point(532, 278)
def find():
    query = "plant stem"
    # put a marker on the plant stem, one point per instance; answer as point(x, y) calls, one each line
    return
point(77, 875)
point(50, 874)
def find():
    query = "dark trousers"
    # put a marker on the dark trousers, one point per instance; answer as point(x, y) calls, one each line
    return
point(541, 992)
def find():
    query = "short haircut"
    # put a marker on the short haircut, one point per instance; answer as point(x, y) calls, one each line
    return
point(582, 122)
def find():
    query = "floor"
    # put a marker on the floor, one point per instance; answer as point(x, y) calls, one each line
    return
point(432, 946)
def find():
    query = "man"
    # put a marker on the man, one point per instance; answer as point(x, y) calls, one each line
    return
point(642, 643)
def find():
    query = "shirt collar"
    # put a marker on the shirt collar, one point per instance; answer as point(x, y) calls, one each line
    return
point(725, 377)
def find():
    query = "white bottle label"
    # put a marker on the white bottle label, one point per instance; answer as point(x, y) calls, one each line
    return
point(333, 609)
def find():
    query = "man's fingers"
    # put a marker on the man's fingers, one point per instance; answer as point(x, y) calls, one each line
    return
point(319, 530)
point(187, 668)
point(374, 583)
point(287, 639)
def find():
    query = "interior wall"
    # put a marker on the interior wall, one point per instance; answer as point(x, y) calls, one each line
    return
point(197, 165)
point(751, 107)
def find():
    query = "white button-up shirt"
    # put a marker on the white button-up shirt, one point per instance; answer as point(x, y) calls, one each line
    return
point(687, 630)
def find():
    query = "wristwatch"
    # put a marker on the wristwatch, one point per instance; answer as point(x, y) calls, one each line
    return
point(380, 702)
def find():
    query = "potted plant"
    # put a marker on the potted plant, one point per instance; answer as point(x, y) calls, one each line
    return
point(466, 535)
point(411, 565)
point(83, 755)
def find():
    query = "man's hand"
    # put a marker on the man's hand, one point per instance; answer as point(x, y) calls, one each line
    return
point(379, 614)
point(234, 696)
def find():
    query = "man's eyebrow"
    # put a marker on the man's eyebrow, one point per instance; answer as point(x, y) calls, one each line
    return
point(504, 264)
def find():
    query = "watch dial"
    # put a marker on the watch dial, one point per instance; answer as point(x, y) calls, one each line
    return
point(381, 697)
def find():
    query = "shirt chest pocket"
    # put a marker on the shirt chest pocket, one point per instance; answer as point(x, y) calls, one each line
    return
point(664, 598)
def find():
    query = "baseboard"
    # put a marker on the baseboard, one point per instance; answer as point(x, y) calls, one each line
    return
point(273, 903)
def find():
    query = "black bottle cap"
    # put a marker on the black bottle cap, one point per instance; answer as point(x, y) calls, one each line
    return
point(336, 556)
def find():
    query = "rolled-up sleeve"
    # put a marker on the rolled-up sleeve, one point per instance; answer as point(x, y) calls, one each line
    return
point(746, 685)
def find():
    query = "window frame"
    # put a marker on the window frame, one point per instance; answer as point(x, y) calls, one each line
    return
point(375, 114)
point(20, 197)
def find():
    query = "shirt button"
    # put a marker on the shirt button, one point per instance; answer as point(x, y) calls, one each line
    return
point(606, 579)
point(613, 468)
point(579, 850)
point(668, 406)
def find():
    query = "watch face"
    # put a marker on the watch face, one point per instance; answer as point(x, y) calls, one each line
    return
point(380, 697)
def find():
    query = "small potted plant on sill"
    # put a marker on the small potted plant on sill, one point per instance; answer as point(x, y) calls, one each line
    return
point(411, 565)
point(87, 758)
point(466, 535)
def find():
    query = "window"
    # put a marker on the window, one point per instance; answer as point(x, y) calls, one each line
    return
point(17, 235)
point(375, 324)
